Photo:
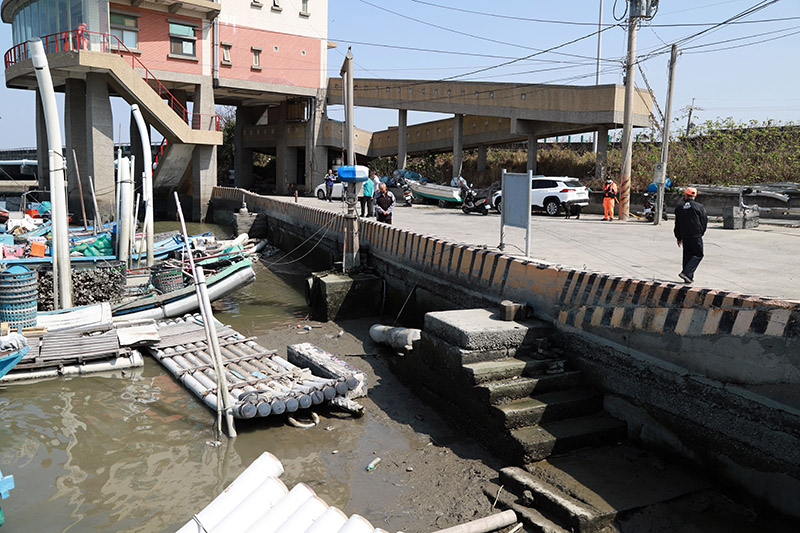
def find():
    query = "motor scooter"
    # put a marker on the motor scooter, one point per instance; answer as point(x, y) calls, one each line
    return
point(408, 195)
point(473, 204)
point(650, 208)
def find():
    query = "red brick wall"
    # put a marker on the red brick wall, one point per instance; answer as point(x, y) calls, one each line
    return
point(154, 40)
point(286, 66)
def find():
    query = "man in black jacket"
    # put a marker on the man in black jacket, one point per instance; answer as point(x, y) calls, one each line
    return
point(690, 226)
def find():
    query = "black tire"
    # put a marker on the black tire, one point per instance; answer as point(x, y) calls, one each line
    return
point(465, 209)
point(651, 217)
point(499, 205)
point(552, 206)
point(664, 216)
point(321, 195)
point(484, 211)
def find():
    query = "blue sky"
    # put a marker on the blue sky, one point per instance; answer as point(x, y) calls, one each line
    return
point(753, 81)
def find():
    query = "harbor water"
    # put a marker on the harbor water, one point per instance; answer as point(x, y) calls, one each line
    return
point(135, 452)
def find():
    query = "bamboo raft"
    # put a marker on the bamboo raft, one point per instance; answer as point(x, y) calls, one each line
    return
point(260, 383)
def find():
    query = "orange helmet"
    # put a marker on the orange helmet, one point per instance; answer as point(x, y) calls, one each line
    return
point(690, 192)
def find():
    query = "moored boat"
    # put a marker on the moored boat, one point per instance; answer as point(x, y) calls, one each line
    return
point(441, 193)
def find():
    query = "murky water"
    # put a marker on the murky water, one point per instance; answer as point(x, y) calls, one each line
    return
point(129, 453)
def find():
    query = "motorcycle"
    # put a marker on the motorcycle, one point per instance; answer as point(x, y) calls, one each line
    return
point(650, 208)
point(408, 195)
point(473, 204)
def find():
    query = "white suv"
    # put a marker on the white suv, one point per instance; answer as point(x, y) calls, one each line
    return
point(550, 194)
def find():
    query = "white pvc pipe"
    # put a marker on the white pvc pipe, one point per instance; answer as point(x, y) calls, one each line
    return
point(120, 363)
point(356, 524)
point(147, 180)
point(484, 525)
point(254, 509)
point(124, 228)
point(331, 520)
point(312, 509)
point(62, 270)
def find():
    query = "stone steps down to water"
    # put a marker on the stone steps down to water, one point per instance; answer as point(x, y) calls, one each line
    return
point(506, 378)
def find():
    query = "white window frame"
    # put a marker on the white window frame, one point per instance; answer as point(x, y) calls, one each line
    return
point(226, 53)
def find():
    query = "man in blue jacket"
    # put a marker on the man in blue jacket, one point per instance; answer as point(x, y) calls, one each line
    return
point(691, 221)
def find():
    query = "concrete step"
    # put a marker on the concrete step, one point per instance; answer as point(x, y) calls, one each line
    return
point(505, 391)
point(507, 368)
point(482, 329)
point(532, 520)
point(576, 515)
point(538, 442)
point(549, 407)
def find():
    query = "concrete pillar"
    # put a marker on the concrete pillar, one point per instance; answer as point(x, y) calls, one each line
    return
point(402, 138)
point(75, 128)
point(602, 153)
point(481, 157)
point(242, 157)
point(533, 149)
point(283, 158)
point(204, 158)
point(458, 144)
point(43, 167)
point(99, 143)
point(316, 160)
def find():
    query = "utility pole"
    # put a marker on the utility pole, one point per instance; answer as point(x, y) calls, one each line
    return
point(627, 128)
point(597, 74)
point(350, 257)
point(689, 118)
point(661, 173)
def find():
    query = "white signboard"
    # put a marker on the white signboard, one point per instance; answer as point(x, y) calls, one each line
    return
point(516, 205)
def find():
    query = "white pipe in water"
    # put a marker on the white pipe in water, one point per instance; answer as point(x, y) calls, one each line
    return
point(62, 270)
point(331, 520)
point(147, 180)
point(264, 506)
point(356, 524)
point(300, 520)
point(484, 525)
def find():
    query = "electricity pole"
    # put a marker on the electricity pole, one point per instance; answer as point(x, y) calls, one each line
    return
point(597, 74)
point(689, 118)
point(661, 173)
point(627, 128)
point(350, 257)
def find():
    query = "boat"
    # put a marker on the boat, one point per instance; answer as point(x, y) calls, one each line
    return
point(184, 300)
point(9, 360)
point(441, 193)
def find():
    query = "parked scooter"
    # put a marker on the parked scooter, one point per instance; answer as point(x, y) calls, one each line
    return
point(650, 208)
point(473, 204)
point(408, 195)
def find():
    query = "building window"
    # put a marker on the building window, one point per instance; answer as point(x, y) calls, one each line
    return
point(256, 58)
point(304, 12)
point(182, 39)
point(125, 28)
point(226, 53)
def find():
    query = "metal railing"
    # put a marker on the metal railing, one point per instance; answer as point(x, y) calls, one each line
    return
point(82, 39)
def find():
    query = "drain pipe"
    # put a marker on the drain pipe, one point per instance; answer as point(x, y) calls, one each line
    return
point(124, 218)
point(147, 181)
point(62, 269)
point(215, 53)
point(484, 525)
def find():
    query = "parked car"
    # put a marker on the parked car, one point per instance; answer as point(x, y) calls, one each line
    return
point(551, 194)
point(338, 190)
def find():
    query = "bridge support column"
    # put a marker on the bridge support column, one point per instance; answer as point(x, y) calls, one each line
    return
point(242, 157)
point(458, 144)
point(204, 158)
point(75, 139)
point(481, 157)
point(99, 138)
point(533, 150)
point(402, 138)
point(602, 152)
point(43, 167)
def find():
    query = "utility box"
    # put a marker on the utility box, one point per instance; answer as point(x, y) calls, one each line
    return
point(735, 217)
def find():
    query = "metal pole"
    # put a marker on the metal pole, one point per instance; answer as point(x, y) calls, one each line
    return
point(502, 245)
point(147, 180)
point(94, 203)
point(627, 129)
point(689, 118)
point(528, 227)
point(124, 218)
point(80, 190)
point(62, 270)
point(351, 247)
point(673, 60)
point(209, 325)
point(597, 75)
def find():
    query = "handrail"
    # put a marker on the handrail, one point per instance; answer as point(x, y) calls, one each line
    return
point(82, 39)
point(161, 148)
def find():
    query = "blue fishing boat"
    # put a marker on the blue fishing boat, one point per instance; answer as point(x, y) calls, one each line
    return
point(9, 359)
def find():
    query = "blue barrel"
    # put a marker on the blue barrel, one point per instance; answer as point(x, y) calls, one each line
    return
point(18, 296)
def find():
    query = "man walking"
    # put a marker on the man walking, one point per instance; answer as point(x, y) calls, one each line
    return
point(366, 196)
point(691, 221)
point(384, 204)
point(609, 197)
point(329, 184)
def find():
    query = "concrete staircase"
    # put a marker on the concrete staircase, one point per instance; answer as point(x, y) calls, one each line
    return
point(512, 387)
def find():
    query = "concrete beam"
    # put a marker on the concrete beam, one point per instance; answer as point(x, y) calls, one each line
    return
point(174, 8)
point(75, 130)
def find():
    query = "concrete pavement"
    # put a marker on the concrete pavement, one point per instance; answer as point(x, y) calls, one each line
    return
point(763, 261)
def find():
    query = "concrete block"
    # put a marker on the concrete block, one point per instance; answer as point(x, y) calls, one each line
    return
point(326, 365)
point(253, 224)
point(483, 329)
point(512, 311)
point(735, 217)
point(337, 296)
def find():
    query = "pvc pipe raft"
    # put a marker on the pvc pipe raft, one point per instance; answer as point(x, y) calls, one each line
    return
point(260, 383)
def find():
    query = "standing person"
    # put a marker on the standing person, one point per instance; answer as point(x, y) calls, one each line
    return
point(691, 221)
point(376, 189)
point(366, 196)
point(384, 204)
point(329, 184)
point(609, 197)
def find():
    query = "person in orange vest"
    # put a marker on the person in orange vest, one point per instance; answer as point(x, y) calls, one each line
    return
point(609, 197)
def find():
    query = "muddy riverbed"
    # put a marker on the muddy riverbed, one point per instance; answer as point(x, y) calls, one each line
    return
point(129, 452)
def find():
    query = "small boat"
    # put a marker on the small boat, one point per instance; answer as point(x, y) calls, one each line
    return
point(184, 300)
point(441, 193)
point(9, 360)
